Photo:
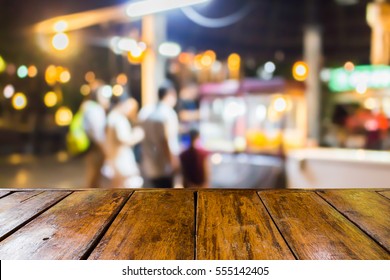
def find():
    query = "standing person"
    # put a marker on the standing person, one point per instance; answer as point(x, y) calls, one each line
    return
point(188, 110)
point(94, 122)
point(194, 164)
point(160, 147)
point(121, 138)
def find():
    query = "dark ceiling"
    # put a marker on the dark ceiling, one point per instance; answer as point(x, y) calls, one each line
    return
point(272, 26)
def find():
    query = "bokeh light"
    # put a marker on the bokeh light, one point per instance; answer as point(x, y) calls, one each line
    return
point(51, 75)
point(63, 116)
point(64, 76)
point(8, 91)
point(269, 67)
point(169, 49)
point(11, 69)
point(32, 71)
point(60, 26)
point(117, 90)
point(349, 66)
point(216, 159)
point(121, 79)
point(106, 91)
point(19, 101)
point(60, 41)
point(3, 65)
point(300, 71)
point(186, 58)
point(234, 61)
point(90, 76)
point(361, 88)
point(50, 99)
point(85, 90)
point(22, 71)
point(137, 54)
point(280, 104)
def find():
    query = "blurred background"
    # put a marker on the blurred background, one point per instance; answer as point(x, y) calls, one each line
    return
point(287, 93)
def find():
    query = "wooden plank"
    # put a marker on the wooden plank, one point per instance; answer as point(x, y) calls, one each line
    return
point(365, 208)
point(19, 207)
point(154, 225)
point(3, 193)
point(234, 225)
point(386, 194)
point(68, 229)
point(315, 230)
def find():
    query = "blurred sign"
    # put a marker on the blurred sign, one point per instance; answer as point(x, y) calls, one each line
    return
point(369, 76)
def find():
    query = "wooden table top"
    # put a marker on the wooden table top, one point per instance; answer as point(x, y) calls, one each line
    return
point(195, 224)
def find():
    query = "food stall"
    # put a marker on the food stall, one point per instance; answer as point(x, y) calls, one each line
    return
point(248, 126)
point(357, 134)
point(359, 107)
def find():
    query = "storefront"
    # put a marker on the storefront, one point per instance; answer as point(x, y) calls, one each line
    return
point(248, 126)
point(359, 108)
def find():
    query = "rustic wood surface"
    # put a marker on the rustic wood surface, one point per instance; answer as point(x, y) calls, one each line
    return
point(194, 224)
point(3, 193)
point(234, 225)
point(153, 225)
point(367, 209)
point(386, 194)
point(19, 207)
point(67, 230)
point(315, 230)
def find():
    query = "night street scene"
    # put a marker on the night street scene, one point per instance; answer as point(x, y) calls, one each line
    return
point(257, 92)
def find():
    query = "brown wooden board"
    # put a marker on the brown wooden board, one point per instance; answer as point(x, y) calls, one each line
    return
point(19, 207)
point(152, 225)
point(315, 230)
point(367, 209)
point(386, 194)
point(234, 225)
point(68, 229)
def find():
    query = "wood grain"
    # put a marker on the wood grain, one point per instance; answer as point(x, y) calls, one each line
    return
point(68, 229)
point(234, 225)
point(152, 225)
point(315, 230)
point(386, 194)
point(19, 207)
point(367, 209)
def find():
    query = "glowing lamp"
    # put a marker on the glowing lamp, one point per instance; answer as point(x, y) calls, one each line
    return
point(147, 7)
point(50, 99)
point(169, 49)
point(63, 116)
point(234, 61)
point(60, 41)
point(19, 101)
point(300, 71)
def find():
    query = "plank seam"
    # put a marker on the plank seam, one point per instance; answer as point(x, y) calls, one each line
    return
point(24, 200)
point(354, 223)
point(276, 225)
point(100, 236)
point(195, 224)
point(15, 229)
point(381, 194)
point(7, 194)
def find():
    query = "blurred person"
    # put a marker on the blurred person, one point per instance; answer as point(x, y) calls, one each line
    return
point(160, 147)
point(94, 110)
point(188, 110)
point(194, 164)
point(121, 138)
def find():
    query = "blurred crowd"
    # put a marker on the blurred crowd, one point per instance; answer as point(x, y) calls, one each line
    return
point(133, 148)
